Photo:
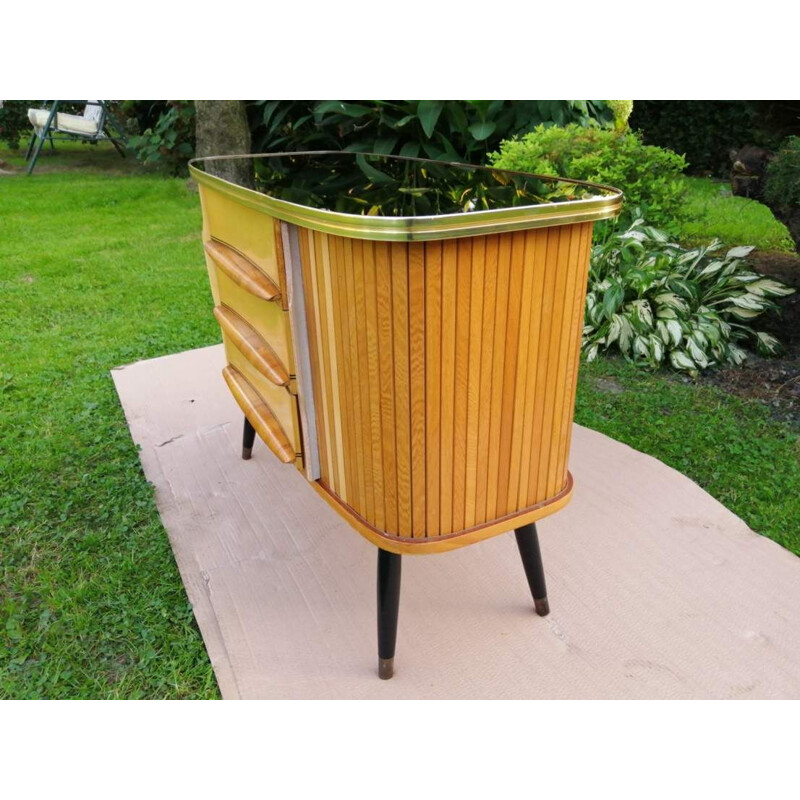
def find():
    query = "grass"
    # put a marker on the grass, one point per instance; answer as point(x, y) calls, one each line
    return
point(100, 158)
point(733, 448)
point(94, 272)
point(99, 271)
point(735, 220)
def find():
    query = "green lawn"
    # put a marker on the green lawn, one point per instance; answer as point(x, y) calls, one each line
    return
point(97, 271)
point(731, 447)
point(70, 155)
point(736, 220)
point(94, 272)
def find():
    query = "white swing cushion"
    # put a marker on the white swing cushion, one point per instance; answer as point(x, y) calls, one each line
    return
point(68, 123)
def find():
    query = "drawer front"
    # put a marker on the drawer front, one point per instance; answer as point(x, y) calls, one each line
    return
point(259, 415)
point(266, 317)
point(280, 402)
point(251, 232)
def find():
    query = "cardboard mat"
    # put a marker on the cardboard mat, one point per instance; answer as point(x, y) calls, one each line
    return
point(656, 590)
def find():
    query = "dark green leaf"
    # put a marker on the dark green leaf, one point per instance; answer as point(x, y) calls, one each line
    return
point(428, 112)
point(482, 130)
point(374, 174)
point(340, 107)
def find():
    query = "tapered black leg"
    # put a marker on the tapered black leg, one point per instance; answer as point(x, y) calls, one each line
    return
point(528, 544)
point(248, 437)
point(388, 608)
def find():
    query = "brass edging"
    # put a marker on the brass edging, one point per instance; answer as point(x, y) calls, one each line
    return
point(408, 229)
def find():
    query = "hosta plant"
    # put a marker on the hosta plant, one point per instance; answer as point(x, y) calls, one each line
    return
point(657, 302)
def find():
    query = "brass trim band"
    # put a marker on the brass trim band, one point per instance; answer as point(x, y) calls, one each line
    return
point(410, 229)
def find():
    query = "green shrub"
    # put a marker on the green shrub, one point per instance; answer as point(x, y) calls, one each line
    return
point(14, 124)
point(649, 176)
point(621, 109)
point(651, 300)
point(782, 186)
point(170, 142)
point(454, 130)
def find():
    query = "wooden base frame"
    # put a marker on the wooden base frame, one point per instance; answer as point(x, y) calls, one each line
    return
point(441, 544)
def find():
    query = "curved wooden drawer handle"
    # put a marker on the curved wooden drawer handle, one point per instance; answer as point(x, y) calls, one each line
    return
point(242, 271)
point(257, 411)
point(252, 345)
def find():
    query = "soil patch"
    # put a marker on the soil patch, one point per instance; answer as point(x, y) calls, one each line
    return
point(774, 381)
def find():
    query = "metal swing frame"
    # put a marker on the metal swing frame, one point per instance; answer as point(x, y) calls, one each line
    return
point(108, 129)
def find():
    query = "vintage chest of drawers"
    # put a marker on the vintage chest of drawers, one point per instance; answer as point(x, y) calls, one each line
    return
point(407, 333)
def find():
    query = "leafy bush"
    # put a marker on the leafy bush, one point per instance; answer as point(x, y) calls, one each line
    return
point(139, 115)
point(649, 176)
point(454, 130)
point(621, 109)
point(782, 187)
point(170, 142)
point(651, 300)
point(14, 124)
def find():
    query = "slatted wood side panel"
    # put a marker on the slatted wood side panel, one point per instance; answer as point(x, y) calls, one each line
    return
point(445, 372)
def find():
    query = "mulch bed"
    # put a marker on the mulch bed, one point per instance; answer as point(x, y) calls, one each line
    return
point(774, 381)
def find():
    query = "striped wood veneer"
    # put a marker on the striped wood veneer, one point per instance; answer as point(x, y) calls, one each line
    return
point(444, 374)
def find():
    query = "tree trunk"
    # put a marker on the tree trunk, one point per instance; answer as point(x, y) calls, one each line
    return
point(222, 130)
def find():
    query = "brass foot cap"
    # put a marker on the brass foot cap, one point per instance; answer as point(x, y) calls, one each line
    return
point(542, 606)
point(385, 668)
point(247, 452)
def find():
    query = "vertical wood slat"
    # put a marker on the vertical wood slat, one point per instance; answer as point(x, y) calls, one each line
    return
point(318, 301)
point(333, 374)
point(510, 374)
point(546, 334)
point(416, 326)
point(581, 281)
point(553, 468)
point(461, 383)
point(445, 373)
point(370, 293)
point(526, 244)
point(383, 269)
point(312, 317)
point(365, 437)
point(349, 321)
point(346, 383)
point(544, 442)
point(538, 265)
point(477, 290)
point(433, 357)
point(485, 380)
point(402, 385)
point(448, 369)
point(502, 304)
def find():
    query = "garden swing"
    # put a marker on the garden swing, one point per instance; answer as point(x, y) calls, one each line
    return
point(96, 124)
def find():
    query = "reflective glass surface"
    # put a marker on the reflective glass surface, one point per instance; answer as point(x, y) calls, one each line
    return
point(392, 186)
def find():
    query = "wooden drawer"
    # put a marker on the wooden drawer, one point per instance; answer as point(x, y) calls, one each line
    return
point(259, 414)
point(252, 346)
point(280, 402)
point(266, 317)
point(251, 232)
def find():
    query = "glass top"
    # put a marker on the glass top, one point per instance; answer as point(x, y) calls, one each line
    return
point(392, 198)
point(393, 186)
